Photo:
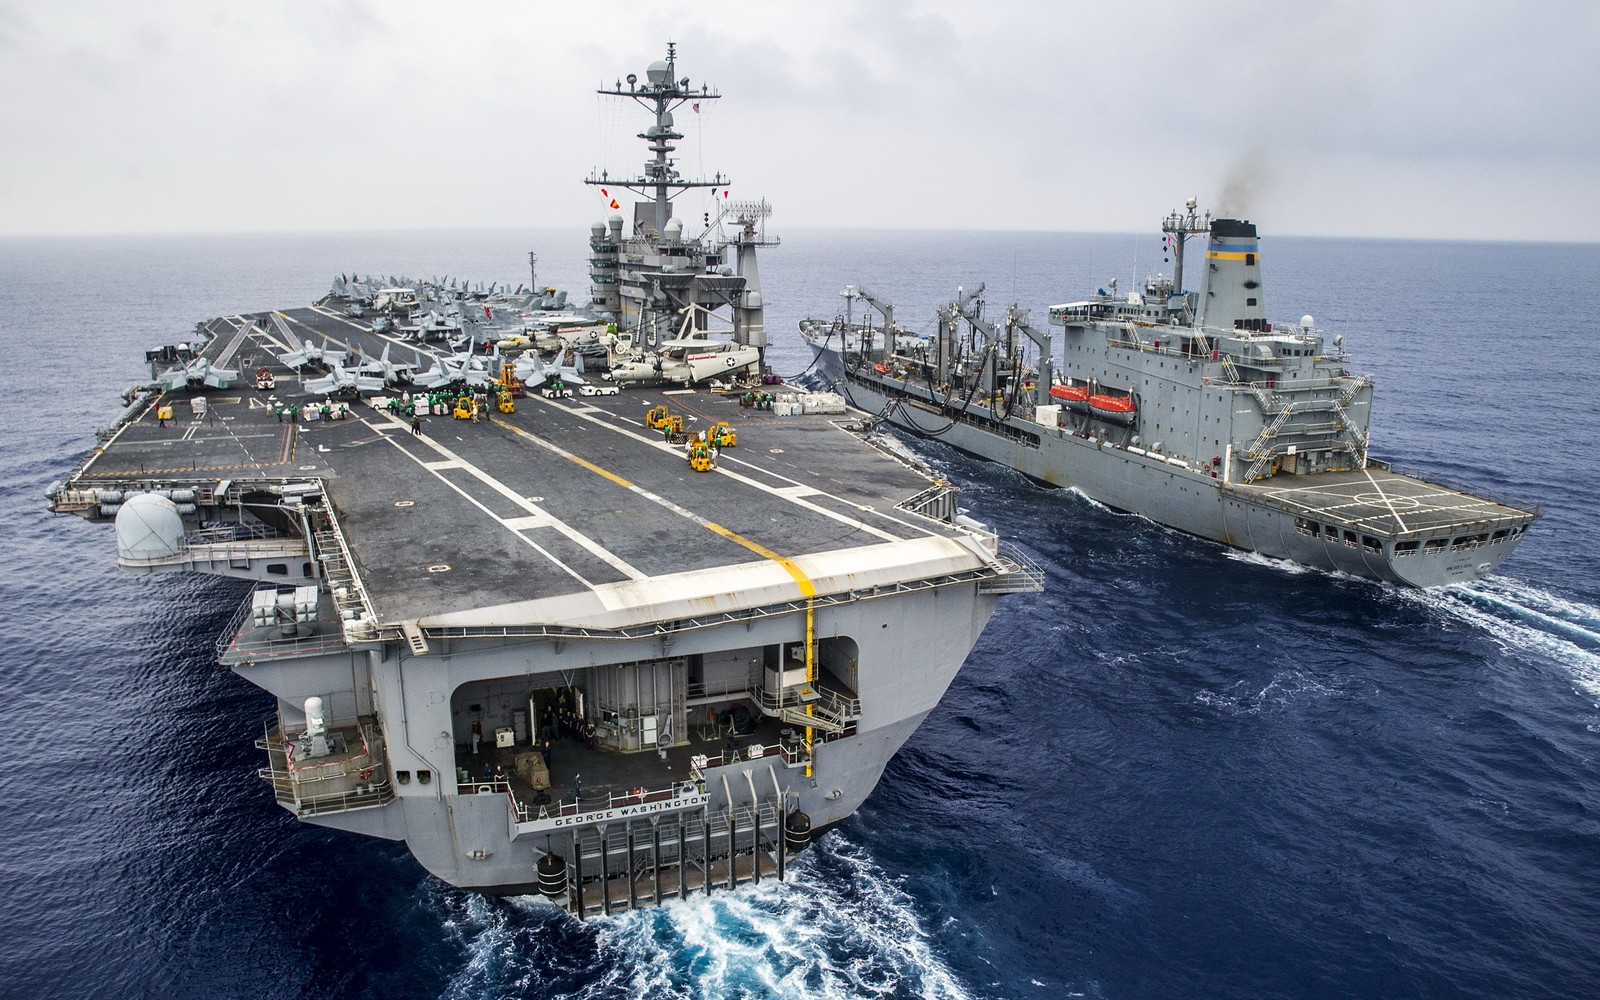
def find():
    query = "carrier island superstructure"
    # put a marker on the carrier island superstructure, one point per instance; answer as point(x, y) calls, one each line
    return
point(1186, 406)
point(723, 652)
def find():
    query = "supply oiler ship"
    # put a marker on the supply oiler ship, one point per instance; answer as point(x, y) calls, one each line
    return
point(614, 646)
point(1188, 407)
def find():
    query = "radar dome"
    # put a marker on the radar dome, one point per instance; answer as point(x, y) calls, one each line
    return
point(658, 74)
point(1307, 323)
point(316, 719)
point(149, 527)
point(597, 230)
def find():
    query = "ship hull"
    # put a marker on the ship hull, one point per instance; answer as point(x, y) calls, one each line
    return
point(493, 842)
point(1184, 496)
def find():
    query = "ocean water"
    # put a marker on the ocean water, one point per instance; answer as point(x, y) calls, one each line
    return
point(1180, 771)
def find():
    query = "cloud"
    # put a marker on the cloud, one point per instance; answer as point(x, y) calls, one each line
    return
point(1352, 116)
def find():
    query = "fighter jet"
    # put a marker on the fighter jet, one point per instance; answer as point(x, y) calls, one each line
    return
point(197, 374)
point(467, 366)
point(537, 374)
point(311, 352)
point(391, 372)
point(434, 325)
point(348, 382)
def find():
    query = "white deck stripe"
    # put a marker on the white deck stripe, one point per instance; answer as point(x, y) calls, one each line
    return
point(789, 493)
point(545, 518)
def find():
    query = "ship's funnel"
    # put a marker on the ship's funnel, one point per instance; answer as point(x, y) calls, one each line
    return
point(1231, 296)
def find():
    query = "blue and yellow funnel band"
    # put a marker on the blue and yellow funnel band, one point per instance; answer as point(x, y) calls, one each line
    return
point(1233, 252)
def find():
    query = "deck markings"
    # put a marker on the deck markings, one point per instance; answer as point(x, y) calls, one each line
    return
point(516, 525)
point(1392, 512)
point(807, 588)
point(789, 493)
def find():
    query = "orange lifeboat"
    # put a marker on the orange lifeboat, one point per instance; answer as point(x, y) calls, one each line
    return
point(1117, 409)
point(1076, 397)
point(881, 369)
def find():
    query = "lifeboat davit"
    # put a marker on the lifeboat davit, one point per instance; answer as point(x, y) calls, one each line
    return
point(1075, 397)
point(1117, 409)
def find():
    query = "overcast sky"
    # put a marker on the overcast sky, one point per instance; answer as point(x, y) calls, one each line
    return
point(1385, 118)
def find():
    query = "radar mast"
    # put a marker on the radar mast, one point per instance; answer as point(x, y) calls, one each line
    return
point(661, 93)
point(1178, 229)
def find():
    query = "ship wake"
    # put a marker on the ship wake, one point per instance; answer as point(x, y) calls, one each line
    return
point(838, 927)
point(1528, 620)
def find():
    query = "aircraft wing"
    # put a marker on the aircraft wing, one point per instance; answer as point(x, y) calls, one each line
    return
point(369, 385)
point(220, 378)
point(433, 378)
point(173, 378)
point(323, 386)
point(296, 358)
point(536, 375)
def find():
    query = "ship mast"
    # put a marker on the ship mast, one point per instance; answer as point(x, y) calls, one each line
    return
point(661, 94)
point(1179, 228)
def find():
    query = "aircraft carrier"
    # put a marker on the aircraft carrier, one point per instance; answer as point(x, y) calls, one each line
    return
point(613, 649)
point(1189, 407)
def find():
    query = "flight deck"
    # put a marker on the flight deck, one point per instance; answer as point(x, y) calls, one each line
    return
point(568, 509)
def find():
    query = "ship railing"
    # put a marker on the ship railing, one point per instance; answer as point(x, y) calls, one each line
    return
point(834, 707)
point(701, 693)
point(1228, 359)
point(357, 779)
point(357, 617)
point(1024, 576)
point(231, 531)
point(364, 796)
point(793, 753)
point(243, 642)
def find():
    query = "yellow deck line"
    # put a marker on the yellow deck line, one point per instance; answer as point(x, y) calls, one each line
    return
point(807, 588)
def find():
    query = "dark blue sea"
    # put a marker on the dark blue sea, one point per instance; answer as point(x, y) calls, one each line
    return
point(1178, 772)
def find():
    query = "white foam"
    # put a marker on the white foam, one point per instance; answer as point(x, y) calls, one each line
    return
point(846, 933)
point(1528, 620)
point(1287, 687)
point(1270, 562)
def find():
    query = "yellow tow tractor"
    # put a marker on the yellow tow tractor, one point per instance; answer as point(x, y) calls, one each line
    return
point(721, 435)
point(503, 401)
point(465, 407)
point(699, 454)
point(658, 418)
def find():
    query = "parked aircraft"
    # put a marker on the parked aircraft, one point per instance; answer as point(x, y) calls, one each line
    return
point(197, 374)
point(687, 361)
